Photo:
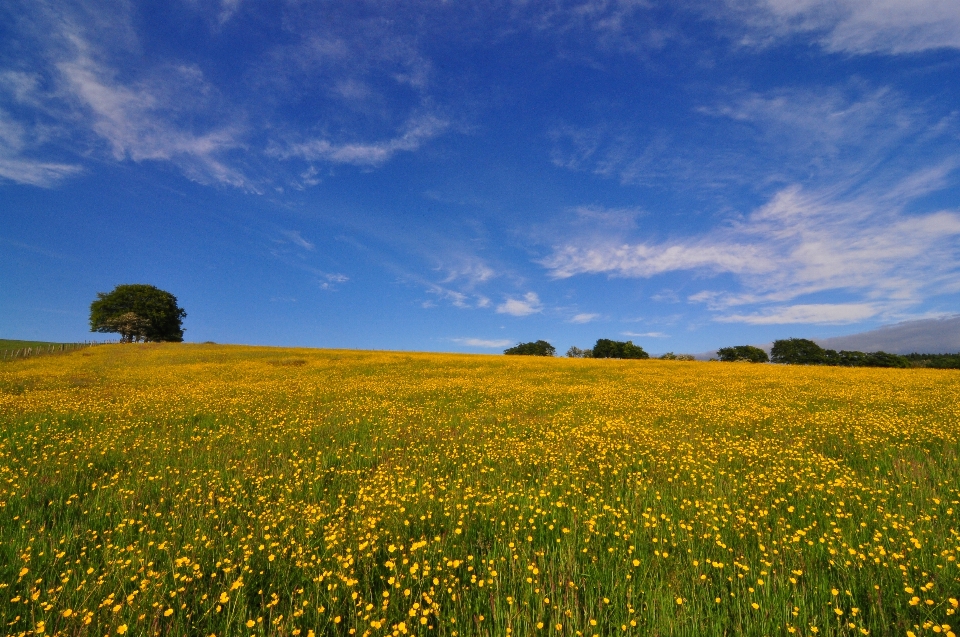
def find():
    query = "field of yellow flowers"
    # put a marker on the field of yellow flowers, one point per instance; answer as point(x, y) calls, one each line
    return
point(203, 489)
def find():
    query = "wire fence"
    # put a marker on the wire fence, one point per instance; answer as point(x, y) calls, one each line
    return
point(45, 350)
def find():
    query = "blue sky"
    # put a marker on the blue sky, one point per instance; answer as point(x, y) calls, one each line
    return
point(463, 176)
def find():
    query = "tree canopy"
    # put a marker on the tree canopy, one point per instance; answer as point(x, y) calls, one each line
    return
point(800, 351)
point(797, 351)
point(605, 348)
point(138, 313)
point(538, 348)
point(747, 353)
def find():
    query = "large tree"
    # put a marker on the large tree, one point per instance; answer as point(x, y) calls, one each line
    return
point(605, 348)
point(742, 353)
point(539, 348)
point(797, 351)
point(138, 313)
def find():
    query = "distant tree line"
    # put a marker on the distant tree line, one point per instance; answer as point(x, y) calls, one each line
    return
point(606, 348)
point(790, 351)
point(935, 361)
point(537, 348)
point(801, 351)
point(603, 348)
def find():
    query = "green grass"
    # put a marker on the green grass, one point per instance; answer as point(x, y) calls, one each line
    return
point(6, 343)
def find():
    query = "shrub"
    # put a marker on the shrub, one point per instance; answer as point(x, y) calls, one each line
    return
point(576, 352)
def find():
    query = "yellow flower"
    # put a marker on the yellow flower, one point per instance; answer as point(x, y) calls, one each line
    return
point(122, 628)
point(67, 612)
point(168, 612)
point(251, 623)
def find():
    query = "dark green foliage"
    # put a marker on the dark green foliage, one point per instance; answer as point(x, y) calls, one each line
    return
point(747, 353)
point(883, 359)
point(605, 348)
point(800, 351)
point(576, 352)
point(539, 348)
point(138, 312)
point(797, 351)
point(936, 361)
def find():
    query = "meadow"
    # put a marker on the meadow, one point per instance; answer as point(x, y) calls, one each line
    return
point(217, 490)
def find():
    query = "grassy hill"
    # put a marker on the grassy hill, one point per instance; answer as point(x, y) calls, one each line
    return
point(197, 489)
point(14, 344)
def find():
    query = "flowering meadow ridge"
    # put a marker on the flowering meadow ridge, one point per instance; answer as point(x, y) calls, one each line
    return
point(202, 489)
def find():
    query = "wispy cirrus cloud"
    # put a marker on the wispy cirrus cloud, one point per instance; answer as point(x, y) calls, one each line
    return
point(294, 237)
point(68, 96)
point(808, 313)
point(851, 26)
point(525, 306)
point(483, 342)
point(84, 83)
point(865, 158)
point(417, 132)
point(584, 318)
point(799, 244)
point(647, 334)
point(789, 134)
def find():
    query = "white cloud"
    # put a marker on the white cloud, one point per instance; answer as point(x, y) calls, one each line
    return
point(32, 172)
point(826, 134)
point(88, 85)
point(867, 158)
point(417, 131)
point(17, 142)
point(480, 342)
point(802, 243)
point(139, 121)
point(584, 318)
point(330, 281)
point(470, 268)
point(855, 26)
point(457, 299)
point(646, 260)
point(647, 334)
point(296, 238)
point(815, 313)
point(529, 304)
